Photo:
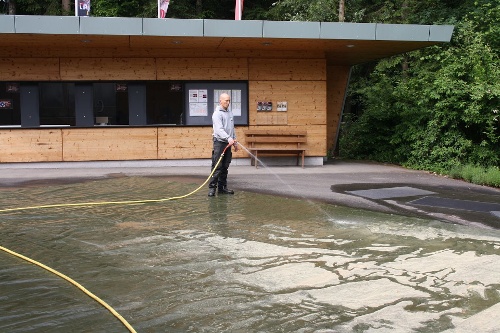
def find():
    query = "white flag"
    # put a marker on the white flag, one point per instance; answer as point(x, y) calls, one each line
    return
point(238, 10)
point(162, 8)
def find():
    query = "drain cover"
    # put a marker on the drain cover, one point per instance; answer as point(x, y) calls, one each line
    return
point(390, 192)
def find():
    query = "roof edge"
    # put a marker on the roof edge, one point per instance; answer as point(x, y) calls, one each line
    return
point(132, 26)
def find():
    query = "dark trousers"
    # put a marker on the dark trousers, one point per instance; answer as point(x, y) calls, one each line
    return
point(219, 177)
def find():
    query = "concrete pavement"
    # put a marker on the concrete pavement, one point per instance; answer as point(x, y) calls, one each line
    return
point(373, 186)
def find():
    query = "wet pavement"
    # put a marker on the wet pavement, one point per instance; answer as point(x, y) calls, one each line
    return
point(346, 247)
point(384, 188)
point(372, 186)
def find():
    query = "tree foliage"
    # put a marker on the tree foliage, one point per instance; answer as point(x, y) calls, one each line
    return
point(443, 112)
point(186, 9)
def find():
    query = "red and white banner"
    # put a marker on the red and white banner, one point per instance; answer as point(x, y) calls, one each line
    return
point(82, 7)
point(162, 8)
point(238, 10)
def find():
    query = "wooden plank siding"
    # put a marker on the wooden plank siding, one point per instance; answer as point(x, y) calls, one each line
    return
point(306, 101)
point(43, 145)
point(190, 142)
point(110, 144)
point(29, 69)
point(85, 51)
point(287, 69)
point(299, 82)
point(108, 69)
point(202, 69)
point(184, 142)
point(302, 82)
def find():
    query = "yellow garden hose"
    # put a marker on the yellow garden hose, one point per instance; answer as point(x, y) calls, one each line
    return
point(129, 202)
point(76, 284)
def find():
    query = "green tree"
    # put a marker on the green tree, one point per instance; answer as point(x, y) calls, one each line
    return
point(443, 112)
point(38, 7)
point(185, 9)
point(313, 10)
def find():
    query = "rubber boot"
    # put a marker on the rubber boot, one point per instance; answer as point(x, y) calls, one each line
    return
point(211, 191)
point(225, 190)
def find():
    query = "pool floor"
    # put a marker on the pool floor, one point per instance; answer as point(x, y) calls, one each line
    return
point(242, 263)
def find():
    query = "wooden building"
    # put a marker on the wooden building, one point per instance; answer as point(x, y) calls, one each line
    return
point(104, 89)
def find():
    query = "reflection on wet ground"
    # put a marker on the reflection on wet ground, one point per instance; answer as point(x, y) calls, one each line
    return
point(242, 263)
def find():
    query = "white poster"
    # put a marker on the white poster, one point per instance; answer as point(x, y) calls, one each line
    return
point(198, 105)
point(198, 109)
point(193, 96)
point(217, 94)
point(236, 102)
point(203, 95)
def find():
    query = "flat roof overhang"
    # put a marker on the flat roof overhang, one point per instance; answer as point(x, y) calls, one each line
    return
point(339, 43)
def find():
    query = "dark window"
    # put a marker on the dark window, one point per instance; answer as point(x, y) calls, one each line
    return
point(57, 103)
point(108, 103)
point(164, 103)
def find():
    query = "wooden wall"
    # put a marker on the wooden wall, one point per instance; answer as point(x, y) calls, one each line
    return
point(314, 94)
point(108, 144)
point(87, 144)
point(44, 145)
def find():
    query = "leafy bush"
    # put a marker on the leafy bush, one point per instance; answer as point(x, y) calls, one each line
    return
point(433, 109)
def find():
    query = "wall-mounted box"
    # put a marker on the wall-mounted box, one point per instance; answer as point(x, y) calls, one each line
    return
point(269, 106)
point(282, 106)
point(264, 106)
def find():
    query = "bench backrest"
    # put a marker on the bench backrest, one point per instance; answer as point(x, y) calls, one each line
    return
point(270, 136)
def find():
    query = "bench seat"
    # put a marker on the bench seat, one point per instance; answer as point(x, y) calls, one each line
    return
point(269, 142)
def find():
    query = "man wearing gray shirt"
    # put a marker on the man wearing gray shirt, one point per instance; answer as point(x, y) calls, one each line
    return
point(223, 135)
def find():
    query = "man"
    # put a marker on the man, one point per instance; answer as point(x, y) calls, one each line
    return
point(223, 135)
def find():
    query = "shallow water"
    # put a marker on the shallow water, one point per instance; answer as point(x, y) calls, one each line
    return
point(242, 263)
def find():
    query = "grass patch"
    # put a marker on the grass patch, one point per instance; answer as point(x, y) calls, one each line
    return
point(477, 175)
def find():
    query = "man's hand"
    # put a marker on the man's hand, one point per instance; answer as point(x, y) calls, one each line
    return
point(233, 143)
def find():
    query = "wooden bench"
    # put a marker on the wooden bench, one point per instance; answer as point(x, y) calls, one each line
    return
point(274, 142)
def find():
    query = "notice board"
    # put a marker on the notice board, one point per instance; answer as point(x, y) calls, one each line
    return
point(201, 99)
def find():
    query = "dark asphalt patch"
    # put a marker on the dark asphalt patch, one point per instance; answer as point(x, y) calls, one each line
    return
point(476, 206)
point(390, 192)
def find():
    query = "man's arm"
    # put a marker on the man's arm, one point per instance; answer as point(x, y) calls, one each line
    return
point(218, 126)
